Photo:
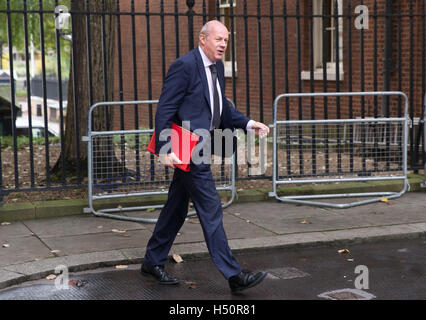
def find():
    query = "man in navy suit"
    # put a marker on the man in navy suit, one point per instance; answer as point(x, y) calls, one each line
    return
point(194, 92)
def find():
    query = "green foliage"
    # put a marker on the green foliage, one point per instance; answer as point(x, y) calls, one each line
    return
point(33, 19)
point(16, 20)
point(23, 142)
point(130, 140)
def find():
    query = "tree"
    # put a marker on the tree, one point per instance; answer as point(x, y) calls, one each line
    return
point(83, 95)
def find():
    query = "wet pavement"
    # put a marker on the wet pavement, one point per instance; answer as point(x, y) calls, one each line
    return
point(392, 269)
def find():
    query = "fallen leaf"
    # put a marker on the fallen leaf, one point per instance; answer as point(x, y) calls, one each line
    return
point(177, 258)
point(191, 285)
point(304, 221)
point(124, 235)
point(121, 266)
point(386, 200)
point(118, 231)
point(150, 210)
point(5, 223)
point(51, 277)
point(72, 283)
point(237, 213)
point(6, 245)
point(343, 251)
point(77, 283)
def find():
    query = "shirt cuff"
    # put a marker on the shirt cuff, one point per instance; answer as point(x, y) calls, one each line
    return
point(249, 124)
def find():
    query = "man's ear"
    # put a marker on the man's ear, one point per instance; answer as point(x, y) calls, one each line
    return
point(202, 39)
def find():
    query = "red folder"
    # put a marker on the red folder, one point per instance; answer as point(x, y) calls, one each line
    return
point(183, 144)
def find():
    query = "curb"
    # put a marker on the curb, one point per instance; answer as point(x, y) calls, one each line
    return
point(19, 273)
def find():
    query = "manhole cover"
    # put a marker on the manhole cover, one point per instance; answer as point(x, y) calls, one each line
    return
point(347, 294)
point(286, 273)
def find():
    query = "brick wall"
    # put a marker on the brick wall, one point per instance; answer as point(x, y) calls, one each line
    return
point(263, 96)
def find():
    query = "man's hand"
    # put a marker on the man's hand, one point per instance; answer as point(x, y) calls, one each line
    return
point(260, 129)
point(169, 160)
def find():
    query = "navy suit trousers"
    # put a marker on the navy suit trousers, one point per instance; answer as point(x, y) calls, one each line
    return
point(198, 184)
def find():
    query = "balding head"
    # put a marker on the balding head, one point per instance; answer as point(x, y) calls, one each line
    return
point(213, 39)
point(205, 30)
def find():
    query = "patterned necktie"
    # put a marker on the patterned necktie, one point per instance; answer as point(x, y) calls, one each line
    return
point(216, 106)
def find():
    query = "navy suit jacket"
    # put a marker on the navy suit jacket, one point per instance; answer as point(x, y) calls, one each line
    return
point(185, 97)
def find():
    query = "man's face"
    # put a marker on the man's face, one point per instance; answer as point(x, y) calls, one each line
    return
point(215, 43)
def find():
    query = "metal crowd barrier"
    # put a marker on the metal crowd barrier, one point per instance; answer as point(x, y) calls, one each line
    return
point(119, 166)
point(337, 151)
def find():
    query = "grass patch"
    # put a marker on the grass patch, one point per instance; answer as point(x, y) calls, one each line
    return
point(23, 142)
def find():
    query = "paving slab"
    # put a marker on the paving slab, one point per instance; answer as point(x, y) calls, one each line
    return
point(97, 242)
point(280, 224)
point(78, 225)
point(239, 227)
point(279, 241)
point(277, 217)
point(271, 210)
point(23, 249)
point(189, 232)
point(383, 213)
point(14, 229)
point(235, 227)
point(377, 233)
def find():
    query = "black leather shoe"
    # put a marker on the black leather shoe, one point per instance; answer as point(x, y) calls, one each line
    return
point(158, 273)
point(245, 280)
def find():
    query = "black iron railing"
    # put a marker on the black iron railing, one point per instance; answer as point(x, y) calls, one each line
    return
point(276, 46)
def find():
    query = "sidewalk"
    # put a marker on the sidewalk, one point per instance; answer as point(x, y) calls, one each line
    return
point(31, 249)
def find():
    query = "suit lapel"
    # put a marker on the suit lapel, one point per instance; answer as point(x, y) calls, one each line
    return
point(202, 73)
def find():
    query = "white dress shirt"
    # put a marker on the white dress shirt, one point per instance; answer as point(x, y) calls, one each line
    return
point(207, 63)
